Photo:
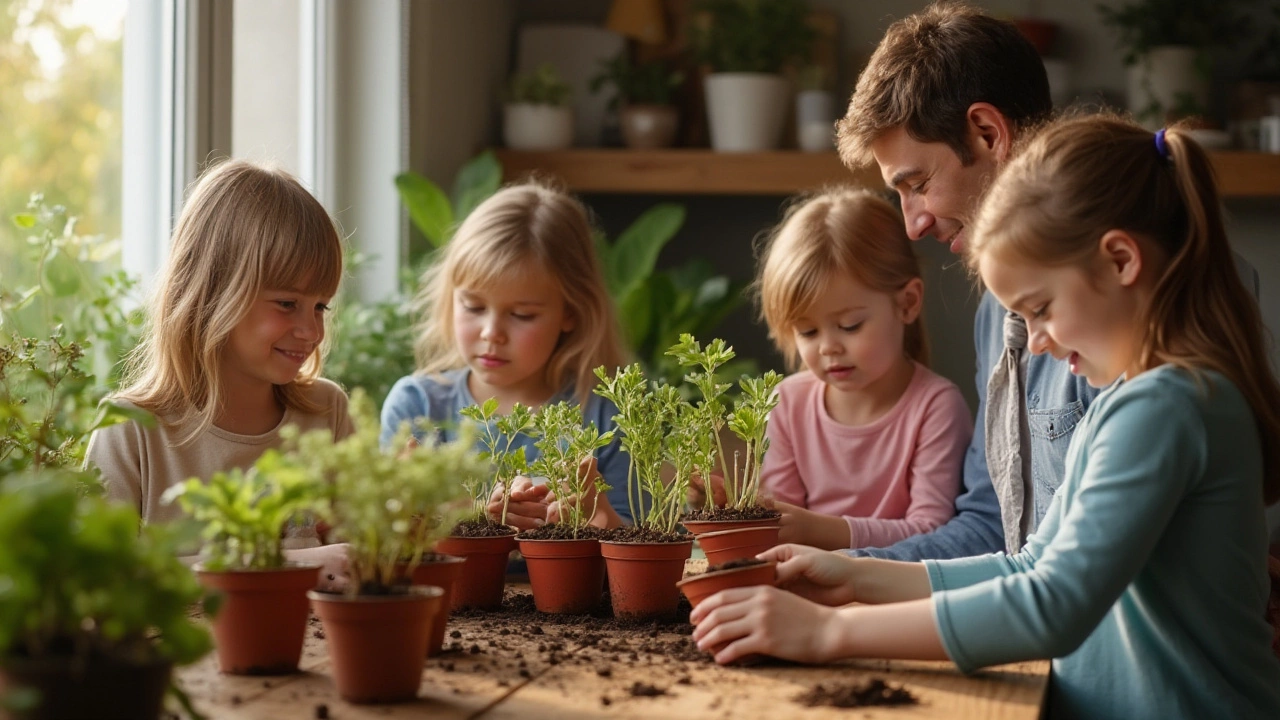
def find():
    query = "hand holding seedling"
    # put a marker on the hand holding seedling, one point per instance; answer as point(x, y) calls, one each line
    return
point(604, 517)
point(698, 491)
point(498, 434)
point(526, 505)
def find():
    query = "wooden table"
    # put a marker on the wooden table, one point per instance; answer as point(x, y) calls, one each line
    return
point(570, 671)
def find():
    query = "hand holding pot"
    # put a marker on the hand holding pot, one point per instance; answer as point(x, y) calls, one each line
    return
point(819, 575)
point(527, 507)
point(763, 620)
point(698, 491)
point(806, 527)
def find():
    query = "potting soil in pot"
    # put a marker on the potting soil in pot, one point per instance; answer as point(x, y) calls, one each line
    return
point(755, 512)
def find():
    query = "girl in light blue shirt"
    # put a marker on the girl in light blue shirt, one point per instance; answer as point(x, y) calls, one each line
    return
point(1146, 582)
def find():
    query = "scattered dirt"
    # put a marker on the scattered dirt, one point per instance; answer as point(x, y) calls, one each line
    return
point(560, 531)
point(735, 564)
point(639, 689)
point(480, 528)
point(636, 534)
point(873, 692)
point(755, 512)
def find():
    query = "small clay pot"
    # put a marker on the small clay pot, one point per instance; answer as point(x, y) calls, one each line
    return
point(722, 546)
point(99, 689)
point(698, 527)
point(648, 127)
point(260, 628)
point(701, 587)
point(377, 643)
point(643, 577)
point(485, 572)
point(441, 571)
point(566, 576)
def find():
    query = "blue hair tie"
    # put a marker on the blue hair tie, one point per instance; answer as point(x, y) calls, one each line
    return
point(1161, 147)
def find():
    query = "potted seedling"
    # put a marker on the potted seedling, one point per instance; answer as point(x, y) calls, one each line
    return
point(94, 612)
point(748, 421)
point(390, 510)
point(264, 612)
point(643, 99)
point(646, 560)
point(485, 542)
point(566, 572)
point(747, 44)
point(537, 115)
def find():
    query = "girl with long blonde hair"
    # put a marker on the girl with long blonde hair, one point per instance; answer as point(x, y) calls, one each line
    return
point(1146, 582)
point(233, 346)
point(516, 309)
point(866, 443)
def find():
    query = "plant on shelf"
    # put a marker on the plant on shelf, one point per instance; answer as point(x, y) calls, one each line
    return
point(95, 610)
point(499, 433)
point(643, 99)
point(537, 115)
point(390, 509)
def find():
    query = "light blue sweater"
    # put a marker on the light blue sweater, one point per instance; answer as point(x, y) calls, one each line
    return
point(1146, 581)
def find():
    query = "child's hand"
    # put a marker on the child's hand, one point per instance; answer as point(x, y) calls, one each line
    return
point(526, 508)
point(764, 620)
point(333, 564)
point(818, 575)
point(605, 516)
point(698, 491)
point(806, 527)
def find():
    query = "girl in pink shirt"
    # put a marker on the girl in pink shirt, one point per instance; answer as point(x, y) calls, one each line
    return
point(866, 444)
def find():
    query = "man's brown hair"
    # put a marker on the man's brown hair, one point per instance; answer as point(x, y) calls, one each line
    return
point(927, 71)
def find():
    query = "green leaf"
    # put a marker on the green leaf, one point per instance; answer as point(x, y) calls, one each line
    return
point(635, 314)
point(635, 253)
point(24, 220)
point(427, 205)
point(476, 181)
point(61, 275)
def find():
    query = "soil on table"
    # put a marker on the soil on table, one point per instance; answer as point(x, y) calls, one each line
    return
point(481, 528)
point(872, 692)
point(561, 531)
point(637, 534)
point(755, 512)
point(735, 564)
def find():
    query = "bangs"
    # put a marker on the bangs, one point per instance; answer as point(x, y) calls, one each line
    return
point(304, 254)
point(490, 269)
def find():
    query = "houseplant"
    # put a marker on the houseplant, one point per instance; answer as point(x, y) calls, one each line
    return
point(1166, 44)
point(747, 44)
point(566, 572)
point(537, 115)
point(643, 99)
point(264, 612)
point(390, 510)
point(95, 612)
point(646, 560)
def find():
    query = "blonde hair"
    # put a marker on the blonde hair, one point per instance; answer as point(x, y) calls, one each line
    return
point(839, 230)
point(244, 229)
point(519, 226)
point(1083, 176)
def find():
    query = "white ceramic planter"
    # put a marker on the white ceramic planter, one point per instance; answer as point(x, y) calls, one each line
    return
point(746, 111)
point(1159, 81)
point(537, 127)
point(815, 120)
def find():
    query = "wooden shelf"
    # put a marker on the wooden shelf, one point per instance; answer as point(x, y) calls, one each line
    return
point(703, 172)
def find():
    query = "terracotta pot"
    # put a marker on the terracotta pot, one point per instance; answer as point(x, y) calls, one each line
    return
point(485, 572)
point(698, 527)
point(567, 576)
point(378, 643)
point(263, 620)
point(441, 572)
point(701, 587)
point(647, 127)
point(722, 546)
point(643, 577)
point(103, 688)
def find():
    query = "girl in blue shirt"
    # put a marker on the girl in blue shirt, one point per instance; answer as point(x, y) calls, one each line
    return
point(516, 309)
point(1146, 582)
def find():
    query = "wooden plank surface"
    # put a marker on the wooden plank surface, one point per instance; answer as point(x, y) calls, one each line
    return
point(704, 172)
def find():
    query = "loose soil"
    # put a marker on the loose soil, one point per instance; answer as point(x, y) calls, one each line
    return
point(480, 528)
point(755, 512)
point(636, 534)
point(560, 531)
point(873, 692)
point(735, 564)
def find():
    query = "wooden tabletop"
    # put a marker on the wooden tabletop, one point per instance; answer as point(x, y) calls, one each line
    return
point(524, 668)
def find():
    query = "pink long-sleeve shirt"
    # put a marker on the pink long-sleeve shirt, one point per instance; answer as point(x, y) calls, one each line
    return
point(891, 479)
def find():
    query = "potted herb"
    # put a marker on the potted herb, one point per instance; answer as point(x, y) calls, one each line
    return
point(566, 572)
point(646, 560)
point(537, 115)
point(95, 611)
point(484, 542)
point(264, 613)
point(390, 510)
point(643, 95)
point(1166, 44)
point(746, 44)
